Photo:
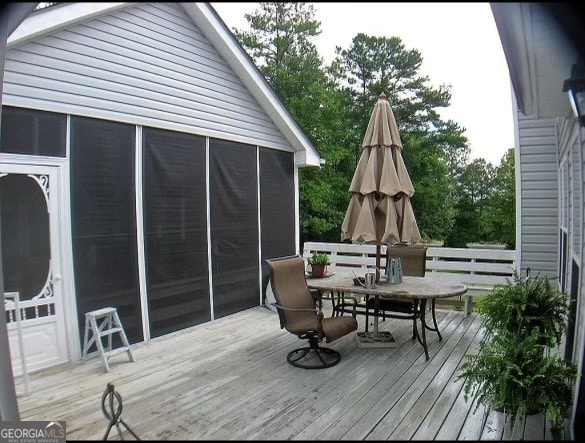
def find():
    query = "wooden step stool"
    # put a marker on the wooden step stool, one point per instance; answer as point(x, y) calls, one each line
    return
point(104, 323)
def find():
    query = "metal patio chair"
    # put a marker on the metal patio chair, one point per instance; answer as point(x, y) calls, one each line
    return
point(298, 313)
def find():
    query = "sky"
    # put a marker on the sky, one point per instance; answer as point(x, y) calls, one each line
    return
point(460, 47)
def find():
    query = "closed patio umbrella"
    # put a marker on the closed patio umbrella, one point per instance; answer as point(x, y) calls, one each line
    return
point(379, 209)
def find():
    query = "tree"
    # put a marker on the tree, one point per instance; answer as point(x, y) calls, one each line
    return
point(485, 203)
point(372, 65)
point(500, 220)
point(453, 198)
point(472, 199)
point(433, 210)
point(280, 43)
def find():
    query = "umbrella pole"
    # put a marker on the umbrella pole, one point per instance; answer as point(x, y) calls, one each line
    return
point(378, 254)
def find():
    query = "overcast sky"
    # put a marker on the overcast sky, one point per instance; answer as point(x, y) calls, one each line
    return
point(460, 47)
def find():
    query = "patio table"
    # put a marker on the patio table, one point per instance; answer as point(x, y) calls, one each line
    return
point(418, 290)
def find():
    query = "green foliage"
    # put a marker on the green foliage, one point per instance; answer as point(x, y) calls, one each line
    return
point(485, 203)
point(280, 42)
point(471, 202)
point(431, 179)
point(524, 304)
point(515, 370)
point(332, 105)
point(500, 220)
point(318, 259)
point(375, 64)
point(512, 374)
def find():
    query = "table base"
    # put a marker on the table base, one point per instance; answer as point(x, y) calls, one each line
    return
point(382, 339)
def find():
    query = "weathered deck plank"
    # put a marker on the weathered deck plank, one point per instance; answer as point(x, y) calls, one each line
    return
point(229, 380)
point(439, 387)
point(396, 422)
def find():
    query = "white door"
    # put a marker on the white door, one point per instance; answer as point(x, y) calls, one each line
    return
point(29, 202)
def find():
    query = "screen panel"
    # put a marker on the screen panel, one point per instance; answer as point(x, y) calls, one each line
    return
point(33, 132)
point(233, 197)
point(25, 234)
point(175, 230)
point(277, 207)
point(103, 221)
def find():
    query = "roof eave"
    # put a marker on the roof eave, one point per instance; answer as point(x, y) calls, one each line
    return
point(58, 17)
point(510, 25)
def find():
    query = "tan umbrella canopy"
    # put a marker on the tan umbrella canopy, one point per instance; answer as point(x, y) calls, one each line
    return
point(379, 209)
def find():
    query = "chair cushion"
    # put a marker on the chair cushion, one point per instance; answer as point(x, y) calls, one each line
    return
point(336, 327)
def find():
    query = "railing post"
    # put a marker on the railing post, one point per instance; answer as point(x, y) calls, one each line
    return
point(468, 297)
point(17, 316)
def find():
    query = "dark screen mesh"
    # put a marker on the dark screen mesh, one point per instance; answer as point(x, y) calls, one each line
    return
point(277, 206)
point(233, 185)
point(175, 226)
point(104, 221)
point(32, 132)
point(25, 235)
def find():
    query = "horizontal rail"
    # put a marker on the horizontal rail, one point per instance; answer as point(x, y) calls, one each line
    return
point(479, 269)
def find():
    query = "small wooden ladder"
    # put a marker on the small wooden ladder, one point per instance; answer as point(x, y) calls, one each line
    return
point(104, 323)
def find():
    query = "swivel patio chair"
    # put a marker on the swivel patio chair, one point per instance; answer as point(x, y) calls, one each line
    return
point(298, 313)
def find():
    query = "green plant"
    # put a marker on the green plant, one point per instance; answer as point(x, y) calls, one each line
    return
point(524, 304)
point(516, 369)
point(518, 376)
point(318, 259)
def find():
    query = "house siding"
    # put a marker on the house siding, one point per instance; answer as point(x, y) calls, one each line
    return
point(147, 65)
point(538, 194)
point(541, 52)
point(571, 136)
point(152, 68)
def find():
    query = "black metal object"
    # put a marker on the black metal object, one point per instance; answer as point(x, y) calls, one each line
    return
point(115, 412)
point(411, 310)
point(313, 356)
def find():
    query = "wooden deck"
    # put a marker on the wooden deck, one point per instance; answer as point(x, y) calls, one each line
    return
point(229, 380)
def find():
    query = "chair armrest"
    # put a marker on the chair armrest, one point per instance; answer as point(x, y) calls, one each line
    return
point(317, 311)
point(319, 314)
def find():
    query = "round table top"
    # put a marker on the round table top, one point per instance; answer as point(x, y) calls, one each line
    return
point(427, 287)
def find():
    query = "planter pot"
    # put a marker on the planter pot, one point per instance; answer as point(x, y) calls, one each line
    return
point(528, 412)
point(318, 270)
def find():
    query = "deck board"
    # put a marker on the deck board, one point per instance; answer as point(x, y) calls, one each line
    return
point(229, 380)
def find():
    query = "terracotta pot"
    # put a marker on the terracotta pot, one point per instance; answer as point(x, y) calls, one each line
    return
point(318, 270)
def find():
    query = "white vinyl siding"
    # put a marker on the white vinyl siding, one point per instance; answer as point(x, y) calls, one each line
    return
point(147, 65)
point(539, 194)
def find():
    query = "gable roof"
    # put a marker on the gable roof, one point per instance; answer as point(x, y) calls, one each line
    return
point(63, 15)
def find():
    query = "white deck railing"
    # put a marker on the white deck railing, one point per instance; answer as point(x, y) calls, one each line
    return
point(479, 269)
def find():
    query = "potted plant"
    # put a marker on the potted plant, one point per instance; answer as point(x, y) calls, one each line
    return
point(524, 304)
point(318, 264)
point(517, 369)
